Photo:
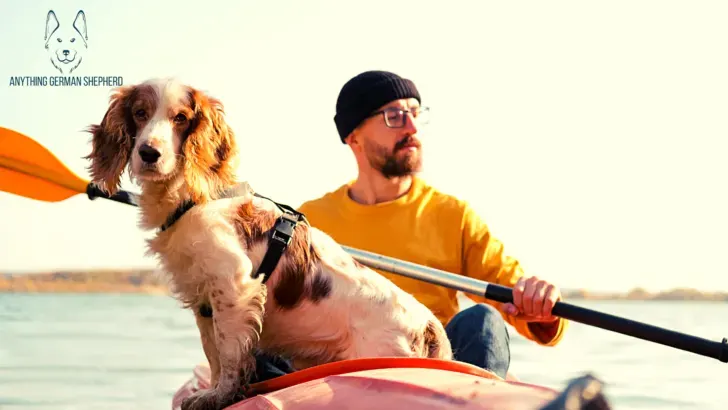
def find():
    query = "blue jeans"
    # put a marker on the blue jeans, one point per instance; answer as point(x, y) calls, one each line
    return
point(269, 367)
point(479, 337)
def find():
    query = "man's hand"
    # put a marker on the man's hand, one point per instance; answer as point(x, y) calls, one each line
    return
point(533, 299)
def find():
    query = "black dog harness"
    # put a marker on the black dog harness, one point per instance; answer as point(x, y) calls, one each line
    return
point(279, 238)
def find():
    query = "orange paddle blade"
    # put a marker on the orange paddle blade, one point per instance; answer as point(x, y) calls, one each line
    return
point(29, 169)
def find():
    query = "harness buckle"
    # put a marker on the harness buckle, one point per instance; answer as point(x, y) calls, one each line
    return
point(283, 229)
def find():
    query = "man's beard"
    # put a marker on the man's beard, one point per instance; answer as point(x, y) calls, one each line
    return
point(392, 166)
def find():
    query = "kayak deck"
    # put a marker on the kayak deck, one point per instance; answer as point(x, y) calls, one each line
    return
point(382, 383)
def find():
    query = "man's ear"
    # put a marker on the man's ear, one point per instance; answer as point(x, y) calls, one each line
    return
point(353, 138)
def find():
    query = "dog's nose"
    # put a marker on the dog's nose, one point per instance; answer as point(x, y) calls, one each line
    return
point(148, 154)
point(66, 52)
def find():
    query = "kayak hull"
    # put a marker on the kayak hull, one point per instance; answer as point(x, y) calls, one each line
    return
point(407, 388)
point(427, 384)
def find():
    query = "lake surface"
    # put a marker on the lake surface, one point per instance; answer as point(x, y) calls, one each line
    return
point(133, 351)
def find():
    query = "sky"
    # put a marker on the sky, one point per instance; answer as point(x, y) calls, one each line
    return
point(589, 135)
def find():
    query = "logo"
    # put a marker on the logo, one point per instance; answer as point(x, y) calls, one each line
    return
point(66, 43)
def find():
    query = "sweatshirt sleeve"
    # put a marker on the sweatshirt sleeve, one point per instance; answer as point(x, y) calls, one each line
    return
point(484, 259)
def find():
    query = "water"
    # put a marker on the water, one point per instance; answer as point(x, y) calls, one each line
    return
point(93, 351)
point(133, 351)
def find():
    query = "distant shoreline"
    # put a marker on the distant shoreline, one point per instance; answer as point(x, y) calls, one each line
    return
point(96, 281)
point(639, 294)
point(153, 282)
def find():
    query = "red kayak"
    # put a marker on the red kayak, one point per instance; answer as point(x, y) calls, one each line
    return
point(402, 383)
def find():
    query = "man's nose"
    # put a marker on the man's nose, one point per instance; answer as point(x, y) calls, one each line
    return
point(410, 123)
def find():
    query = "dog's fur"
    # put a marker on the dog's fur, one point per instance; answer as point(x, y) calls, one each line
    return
point(319, 305)
point(66, 43)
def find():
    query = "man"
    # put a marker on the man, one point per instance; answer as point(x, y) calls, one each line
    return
point(389, 210)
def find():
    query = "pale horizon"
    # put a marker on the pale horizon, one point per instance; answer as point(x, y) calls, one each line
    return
point(601, 127)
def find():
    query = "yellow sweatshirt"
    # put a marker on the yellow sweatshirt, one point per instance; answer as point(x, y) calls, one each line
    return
point(429, 228)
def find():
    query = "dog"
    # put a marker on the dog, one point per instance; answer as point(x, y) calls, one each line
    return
point(318, 304)
point(66, 43)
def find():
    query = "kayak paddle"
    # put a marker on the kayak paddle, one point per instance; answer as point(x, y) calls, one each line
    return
point(499, 293)
point(28, 169)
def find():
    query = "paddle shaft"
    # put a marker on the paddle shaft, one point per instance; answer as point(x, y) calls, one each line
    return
point(124, 197)
point(498, 293)
point(504, 294)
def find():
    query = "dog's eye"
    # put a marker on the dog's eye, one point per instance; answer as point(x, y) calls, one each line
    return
point(72, 40)
point(59, 39)
point(180, 118)
point(140, 113)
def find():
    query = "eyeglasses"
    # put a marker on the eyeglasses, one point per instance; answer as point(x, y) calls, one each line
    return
point(396, 117)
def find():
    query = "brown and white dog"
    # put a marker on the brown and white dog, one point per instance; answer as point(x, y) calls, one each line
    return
point(319, 305)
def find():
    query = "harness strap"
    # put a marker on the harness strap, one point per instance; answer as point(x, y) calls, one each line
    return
point(174, 217)
point(278, 240)
point(286, 209)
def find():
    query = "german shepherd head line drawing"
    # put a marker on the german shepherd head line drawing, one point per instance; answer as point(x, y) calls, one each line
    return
point(67, 43)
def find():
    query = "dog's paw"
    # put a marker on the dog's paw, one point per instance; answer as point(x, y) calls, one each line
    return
point(211, 399)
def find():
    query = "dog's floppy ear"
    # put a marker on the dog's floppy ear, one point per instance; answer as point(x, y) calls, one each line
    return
point(79, 23)
point(112, 141)
point(51, 26)
point(209, 150)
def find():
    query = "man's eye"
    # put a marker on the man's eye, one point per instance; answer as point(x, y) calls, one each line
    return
point(392, 115)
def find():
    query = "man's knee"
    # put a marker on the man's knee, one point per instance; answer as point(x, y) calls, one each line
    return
point(479, 318)
point(479, 336)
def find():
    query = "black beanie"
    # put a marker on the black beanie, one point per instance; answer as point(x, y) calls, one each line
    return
point(366, 92)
